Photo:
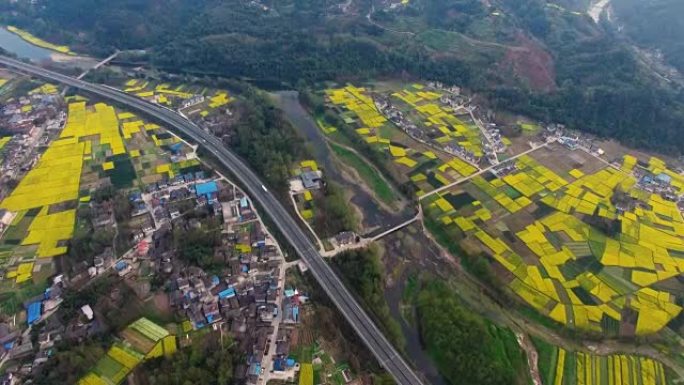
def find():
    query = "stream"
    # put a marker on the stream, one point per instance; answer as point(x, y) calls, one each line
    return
point(407, 254)
point(399, 248)
point(414, 348)
point(374, 216)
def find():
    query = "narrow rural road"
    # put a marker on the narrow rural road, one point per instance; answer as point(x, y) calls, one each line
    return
point(596, 9)
point(482, 171)
point(369, 17)
point(388, 357)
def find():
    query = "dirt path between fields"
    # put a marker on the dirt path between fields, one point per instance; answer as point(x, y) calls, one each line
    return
point(476, 296)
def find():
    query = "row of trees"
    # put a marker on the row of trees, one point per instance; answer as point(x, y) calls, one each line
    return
point(266, 139)
point(363, 271)
point(271, 145)
point(208, 360)
point(70, 362)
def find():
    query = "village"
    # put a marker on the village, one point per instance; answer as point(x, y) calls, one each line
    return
point(246, 297)
point(344, 192)
point(462, 107)
point(251, 302)
point(30, 122)
point(186, 242)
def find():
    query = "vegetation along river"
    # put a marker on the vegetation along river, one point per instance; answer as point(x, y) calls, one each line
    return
point(20, 47)
point(374, 216)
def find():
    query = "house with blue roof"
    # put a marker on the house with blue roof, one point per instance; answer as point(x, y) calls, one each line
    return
point(33, 312)
point(207, 189)
point(664, 178)
point(227, 293)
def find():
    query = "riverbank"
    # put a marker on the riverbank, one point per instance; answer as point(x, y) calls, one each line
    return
point(23, 48)
point(376, 215)
point(38, 42)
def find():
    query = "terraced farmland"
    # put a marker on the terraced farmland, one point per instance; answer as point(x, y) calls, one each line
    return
point(194, 100)
point(446, 128)
point(141, 340)
point(561, 367)
point(590, 249)
point(411, 161)
point(556, 221)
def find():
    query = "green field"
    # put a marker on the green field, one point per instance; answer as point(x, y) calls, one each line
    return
point(368, 174)
point(560, 367)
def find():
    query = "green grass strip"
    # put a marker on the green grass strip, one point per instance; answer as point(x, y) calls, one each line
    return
point(367, 173)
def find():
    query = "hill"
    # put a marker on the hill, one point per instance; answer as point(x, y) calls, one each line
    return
point(541, 59)
point(656, 24)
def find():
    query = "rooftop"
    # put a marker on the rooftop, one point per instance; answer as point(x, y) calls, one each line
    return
point(206, 188)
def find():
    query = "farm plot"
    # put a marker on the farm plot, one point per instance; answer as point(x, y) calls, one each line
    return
point(194, 100)
point(438, 123)
point(408, 159)
point(317, 201)
point(561, 367)
point(54, 180)
point(318, 364)
point(140, 341)
point(4, 141)
point(96, 147)
point(599, 253)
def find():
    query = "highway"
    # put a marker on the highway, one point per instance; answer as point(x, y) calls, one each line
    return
point(382, 349)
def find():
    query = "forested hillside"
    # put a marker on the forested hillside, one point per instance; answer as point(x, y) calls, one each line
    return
point(550, 62)
point(656, 24)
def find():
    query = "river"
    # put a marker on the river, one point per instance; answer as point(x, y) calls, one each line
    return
point(20, 47)
point(374, 217)
point(399, 246)
point(408, 254)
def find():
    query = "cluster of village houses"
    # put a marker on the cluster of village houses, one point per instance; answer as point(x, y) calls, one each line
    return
point(248, 298)
point(452, 98)
point(660, 184)
point(16, 343)
point(28, 120)
point(28, 114)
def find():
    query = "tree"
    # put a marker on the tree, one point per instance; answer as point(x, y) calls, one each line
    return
point(465, 347)
point(364, 272)
point(70, 363)
point(208, 360)
point(195, 246)
point(334, 214)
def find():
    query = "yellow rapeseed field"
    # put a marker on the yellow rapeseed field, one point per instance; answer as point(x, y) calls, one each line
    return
point(56, 177)
point(39, 42)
